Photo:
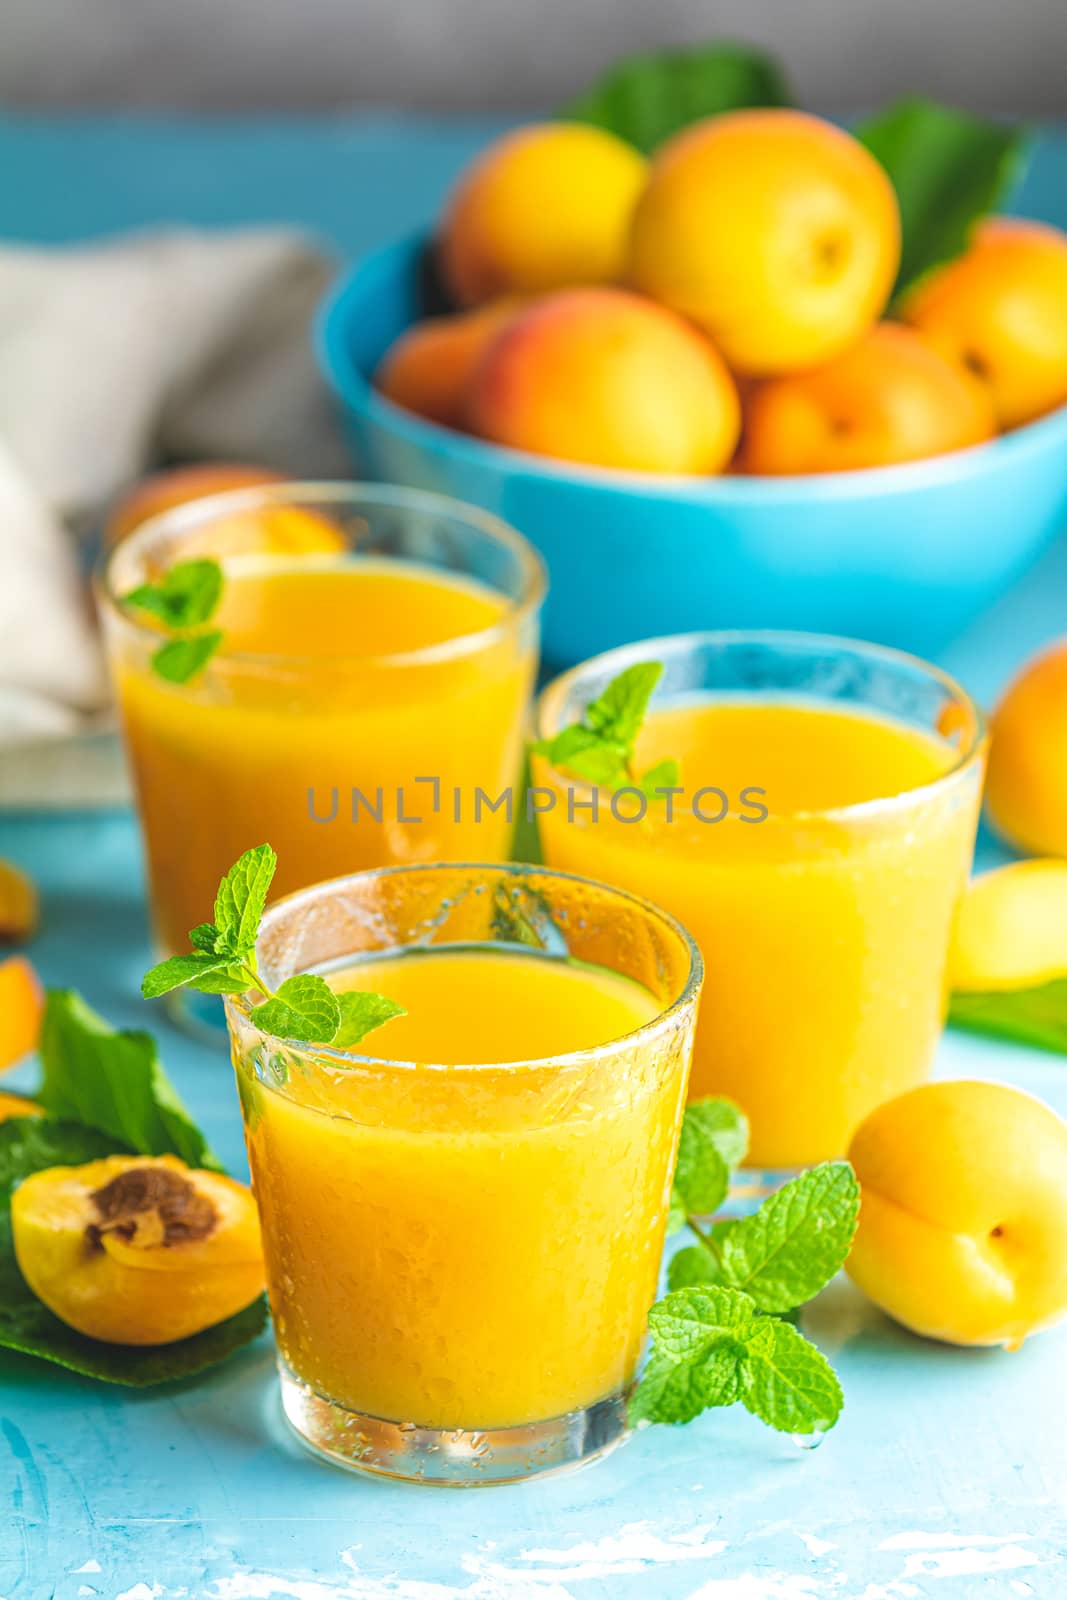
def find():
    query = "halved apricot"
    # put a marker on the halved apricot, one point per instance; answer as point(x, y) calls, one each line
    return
point(138, 1250)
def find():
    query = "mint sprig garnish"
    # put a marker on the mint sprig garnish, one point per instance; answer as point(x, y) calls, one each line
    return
point(183, 601)
point(718, 1335)
point(223, 961)
point(600, 747)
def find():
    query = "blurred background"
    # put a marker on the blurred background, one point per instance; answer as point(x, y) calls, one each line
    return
point(461, 55)
point(184, 179)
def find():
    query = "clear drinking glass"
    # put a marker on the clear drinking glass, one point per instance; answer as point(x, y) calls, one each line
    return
point(338, 727)
point(461, 1257)
point(824, 922)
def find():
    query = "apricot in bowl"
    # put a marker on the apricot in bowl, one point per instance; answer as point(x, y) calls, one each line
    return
point(903, 554)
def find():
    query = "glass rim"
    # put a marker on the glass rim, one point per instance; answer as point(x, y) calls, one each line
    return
point(194, 514)
point(646, 649)
point(326, 1056)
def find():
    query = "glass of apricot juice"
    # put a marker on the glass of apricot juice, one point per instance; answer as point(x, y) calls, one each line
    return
point(378, 649)
point(816, 848)
point(463, 1227)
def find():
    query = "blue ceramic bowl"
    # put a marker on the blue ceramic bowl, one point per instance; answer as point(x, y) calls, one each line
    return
point(902, 555)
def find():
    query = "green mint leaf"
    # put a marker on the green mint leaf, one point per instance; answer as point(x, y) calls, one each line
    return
point(646, 98)
point(692, 1266)
point(113, 1083)
point(600, 747)
point(676, 1218)
point(28, 1145)
point(722, 1123)
point(361, 1012)
point(1036, 1016)
point(714, 1139)
point(241, 896)
point(303, 1008)
point(522, 915)
point(204, 972)
point(587, 754)
point(204, 937)
point(787, 1382)
point(619, 710)
point(598, 762)
point(526, 838)
point(948, 169)
point(181, 659)
point(785, 1252)
point(701, 1178)
point(185, 597)
point(678, 1391)
point(689, 1323)
point(664, 775)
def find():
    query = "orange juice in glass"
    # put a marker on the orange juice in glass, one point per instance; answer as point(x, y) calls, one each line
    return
point(379, 647)
point(463, 1230)
point(817, 849)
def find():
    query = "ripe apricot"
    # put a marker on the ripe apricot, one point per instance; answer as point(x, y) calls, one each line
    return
point(176, 487)
point(16, 1105)
point(18, 905)
point(889, 398)
point(138, 1250)
point(428, 370)
point(271, 530)
point(1011, 928)
point(21, 1010)
point(1026, 787)
point(776, 232)
point(1000, 310)
point(546, 206)
point(606, 377)
point(963, 1220)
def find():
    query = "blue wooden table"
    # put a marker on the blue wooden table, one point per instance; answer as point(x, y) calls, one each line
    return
point(947, 1476)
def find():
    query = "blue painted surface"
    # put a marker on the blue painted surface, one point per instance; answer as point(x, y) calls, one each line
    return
point(947, 1476)
point(907, 555)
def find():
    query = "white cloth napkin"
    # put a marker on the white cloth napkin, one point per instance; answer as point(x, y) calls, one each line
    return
point(112, 358)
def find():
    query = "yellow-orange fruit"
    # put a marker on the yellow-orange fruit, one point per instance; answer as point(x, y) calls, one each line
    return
point(18, 905)
point(1000, 310)
point(1026, 787)
point(21, 1010)
point(776, 232)
point(889, 398)
point(16, 1105)
point(544, 207)
point(1011, 928)
point(963, 1219)
point(176, 487)
point(138, 1250)
point(605, 377)
point(428, 369)
point(269, 530)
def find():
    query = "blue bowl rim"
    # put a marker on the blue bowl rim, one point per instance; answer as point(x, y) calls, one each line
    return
point(356, 392)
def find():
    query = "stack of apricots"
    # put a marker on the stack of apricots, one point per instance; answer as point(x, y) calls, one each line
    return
point(723, 306)
point(21, 996)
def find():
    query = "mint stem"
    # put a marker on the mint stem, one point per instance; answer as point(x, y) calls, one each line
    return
point(705, 1239)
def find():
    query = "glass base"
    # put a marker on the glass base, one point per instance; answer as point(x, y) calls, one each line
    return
point(456, 1458)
